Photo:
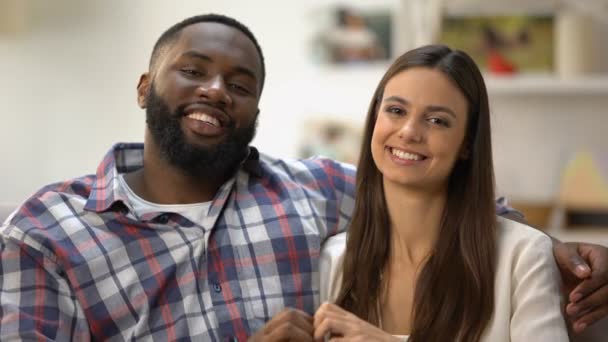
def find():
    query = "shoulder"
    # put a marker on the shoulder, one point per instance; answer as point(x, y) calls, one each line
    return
point(528, 297)
point(310, 166)
point(38, 217)
point(334, 247)
point(313, 173)
point(519, 239)
point(525, 252)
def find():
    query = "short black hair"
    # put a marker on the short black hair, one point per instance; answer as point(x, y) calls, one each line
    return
point(172, 33)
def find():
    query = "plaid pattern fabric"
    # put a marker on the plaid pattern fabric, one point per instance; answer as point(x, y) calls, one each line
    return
point(77, 264)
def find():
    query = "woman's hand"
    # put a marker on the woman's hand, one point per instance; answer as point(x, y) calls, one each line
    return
point(341, 325)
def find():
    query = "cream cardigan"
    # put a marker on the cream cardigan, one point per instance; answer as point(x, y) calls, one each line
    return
point(527, 298)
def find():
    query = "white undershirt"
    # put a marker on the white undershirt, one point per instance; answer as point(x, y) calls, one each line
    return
point(194, 212)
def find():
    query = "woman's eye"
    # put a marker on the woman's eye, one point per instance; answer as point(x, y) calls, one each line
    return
point(439, 121)
point(395, 110)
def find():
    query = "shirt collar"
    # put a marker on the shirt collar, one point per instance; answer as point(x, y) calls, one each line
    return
point(128, 157)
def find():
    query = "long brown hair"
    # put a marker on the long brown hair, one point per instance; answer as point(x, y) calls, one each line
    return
point(454, 294)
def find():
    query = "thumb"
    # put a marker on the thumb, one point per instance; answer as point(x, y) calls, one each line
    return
point(570, 261)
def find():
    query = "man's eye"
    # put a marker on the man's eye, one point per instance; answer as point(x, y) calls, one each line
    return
point(191, 72)
point(239, 88)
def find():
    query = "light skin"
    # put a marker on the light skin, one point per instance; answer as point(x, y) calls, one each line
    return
point(341, 325)
point(417, 138)
point(229, 61)
point(424, 115)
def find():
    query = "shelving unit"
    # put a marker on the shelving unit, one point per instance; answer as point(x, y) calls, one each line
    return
point(589, 235)
point(546, 85)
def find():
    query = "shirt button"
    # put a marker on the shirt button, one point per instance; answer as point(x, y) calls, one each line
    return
point(217, 288)
point(164, 218)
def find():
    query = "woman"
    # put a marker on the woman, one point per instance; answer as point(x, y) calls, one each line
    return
point(426, 256)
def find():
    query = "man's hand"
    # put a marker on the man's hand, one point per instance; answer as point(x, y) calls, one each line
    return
point(584, 269)
point(288, 325)
point(342, 325)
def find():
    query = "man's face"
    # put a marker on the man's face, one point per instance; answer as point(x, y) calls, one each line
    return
point(201, 101)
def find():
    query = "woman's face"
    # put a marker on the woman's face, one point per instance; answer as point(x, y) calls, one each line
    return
point(420, 129)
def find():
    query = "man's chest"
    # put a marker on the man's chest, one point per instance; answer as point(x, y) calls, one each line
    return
point(229, 280)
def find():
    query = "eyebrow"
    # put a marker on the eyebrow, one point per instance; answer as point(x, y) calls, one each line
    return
point(428, 108)
point(238, 69)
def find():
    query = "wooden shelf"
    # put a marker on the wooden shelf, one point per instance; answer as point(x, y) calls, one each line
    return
point(546, 85)
point(590, 235)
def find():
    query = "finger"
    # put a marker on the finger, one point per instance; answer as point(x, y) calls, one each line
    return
point(294, 316)
point(338, 339)
point(590, 318)
point(597, 257)
point(575, 312)
point(589, 287)
point(570, 261)
point(596, 299)
point(327, 310)
point(290, 332)
point(330, 307)
point(325, 316)
point(330, 325)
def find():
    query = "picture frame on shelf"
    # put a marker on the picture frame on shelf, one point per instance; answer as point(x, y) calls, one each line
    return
point(349, 35)
point(503, 44)
point(333, 138)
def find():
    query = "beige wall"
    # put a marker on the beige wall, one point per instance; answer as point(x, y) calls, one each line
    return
point(67, 89)
point(534, 135)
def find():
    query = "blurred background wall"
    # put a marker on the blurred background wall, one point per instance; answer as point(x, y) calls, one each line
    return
point(68, 77)
point(69, 68)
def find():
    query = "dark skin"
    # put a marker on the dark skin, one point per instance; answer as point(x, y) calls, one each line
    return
point(288, 325)
point(216, 65)
point(585, 288)
point(585, 280)
point(216, 69)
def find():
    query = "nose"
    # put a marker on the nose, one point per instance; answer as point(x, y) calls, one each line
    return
point(214, 89)
point(412, 131)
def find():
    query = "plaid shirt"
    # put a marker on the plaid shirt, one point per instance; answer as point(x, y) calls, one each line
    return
point(77, 264)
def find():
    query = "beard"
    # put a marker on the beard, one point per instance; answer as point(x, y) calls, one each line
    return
point(219, 160)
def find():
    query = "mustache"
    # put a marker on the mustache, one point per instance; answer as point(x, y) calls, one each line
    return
point(155, 103)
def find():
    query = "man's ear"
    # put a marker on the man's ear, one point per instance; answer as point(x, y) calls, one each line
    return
point(143, 88)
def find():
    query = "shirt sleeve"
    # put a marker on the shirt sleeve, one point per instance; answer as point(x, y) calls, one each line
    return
point(503, 208)
point(536, 297)
point(342, 177)
point(36, 302)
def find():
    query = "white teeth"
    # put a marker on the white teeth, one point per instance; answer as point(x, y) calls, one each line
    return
point(205, 118)
point(405, 155)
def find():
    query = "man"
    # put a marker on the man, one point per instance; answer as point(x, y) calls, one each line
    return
point(194, 234)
